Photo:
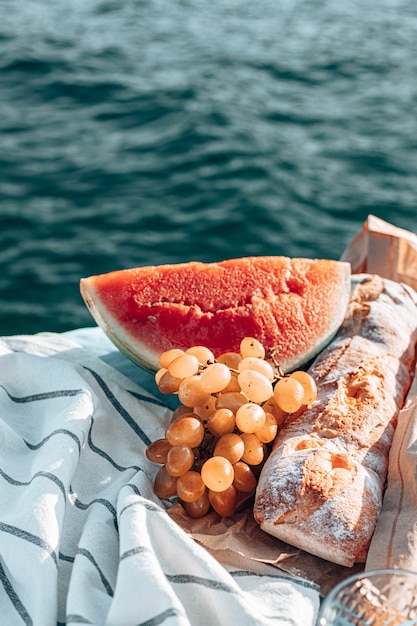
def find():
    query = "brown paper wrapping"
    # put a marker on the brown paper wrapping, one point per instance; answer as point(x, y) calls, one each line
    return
point(380, 248)
point(238, 539)
point(391, 252)
point(394, 543)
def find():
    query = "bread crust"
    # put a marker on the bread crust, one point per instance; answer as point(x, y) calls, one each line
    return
point(321, 488)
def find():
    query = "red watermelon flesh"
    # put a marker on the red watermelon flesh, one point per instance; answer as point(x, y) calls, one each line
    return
point(293, 304)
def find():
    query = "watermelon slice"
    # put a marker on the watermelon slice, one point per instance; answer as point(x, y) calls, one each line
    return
point(293, 304)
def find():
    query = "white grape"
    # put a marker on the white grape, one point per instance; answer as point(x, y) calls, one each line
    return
point(255, 386)
point(250, 417)
point(257, 365)
point(215, 377)
point(249, 346)
point(183, 366)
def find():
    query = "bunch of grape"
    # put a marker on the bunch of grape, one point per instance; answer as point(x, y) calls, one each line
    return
point(230, 410)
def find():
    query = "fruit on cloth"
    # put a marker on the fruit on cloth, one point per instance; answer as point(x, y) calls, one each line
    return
point(292, 305)
point(217, 442)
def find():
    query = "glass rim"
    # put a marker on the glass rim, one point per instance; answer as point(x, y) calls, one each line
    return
point(333, 593)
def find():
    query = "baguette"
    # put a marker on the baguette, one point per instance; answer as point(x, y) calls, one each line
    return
point(322, 486)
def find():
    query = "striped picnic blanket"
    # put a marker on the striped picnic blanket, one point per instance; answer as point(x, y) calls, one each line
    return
point(83, 537)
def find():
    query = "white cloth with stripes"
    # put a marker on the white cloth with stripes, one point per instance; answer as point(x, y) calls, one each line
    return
point(83, 538)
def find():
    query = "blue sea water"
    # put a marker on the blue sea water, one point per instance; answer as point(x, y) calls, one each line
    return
point(142, 132)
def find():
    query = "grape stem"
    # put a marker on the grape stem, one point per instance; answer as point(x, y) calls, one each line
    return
point(203, 367)
point(271, 354)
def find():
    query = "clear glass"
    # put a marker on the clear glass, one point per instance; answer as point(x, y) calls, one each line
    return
point(385, 597)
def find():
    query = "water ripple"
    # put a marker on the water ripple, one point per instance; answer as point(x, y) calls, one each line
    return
point(142, 133)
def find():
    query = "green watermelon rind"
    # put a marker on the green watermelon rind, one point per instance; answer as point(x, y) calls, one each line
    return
point(140, 354)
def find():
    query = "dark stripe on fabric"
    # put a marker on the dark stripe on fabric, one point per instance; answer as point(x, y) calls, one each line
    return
point(197, 580)
point(297, 581)
point(65, 557)
point(14, 598)
point(134, 489)
point(92, 560)
point(151, 400)
point(47, 395)
point(48, 475)
point(159, 619)
point(119, 408)
point(133, 552)
point(146, 504)
point(58, 431)
point(76, 619)
point(26, 536)
point(83, 507)
point(106, 456)
point(151, 506)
